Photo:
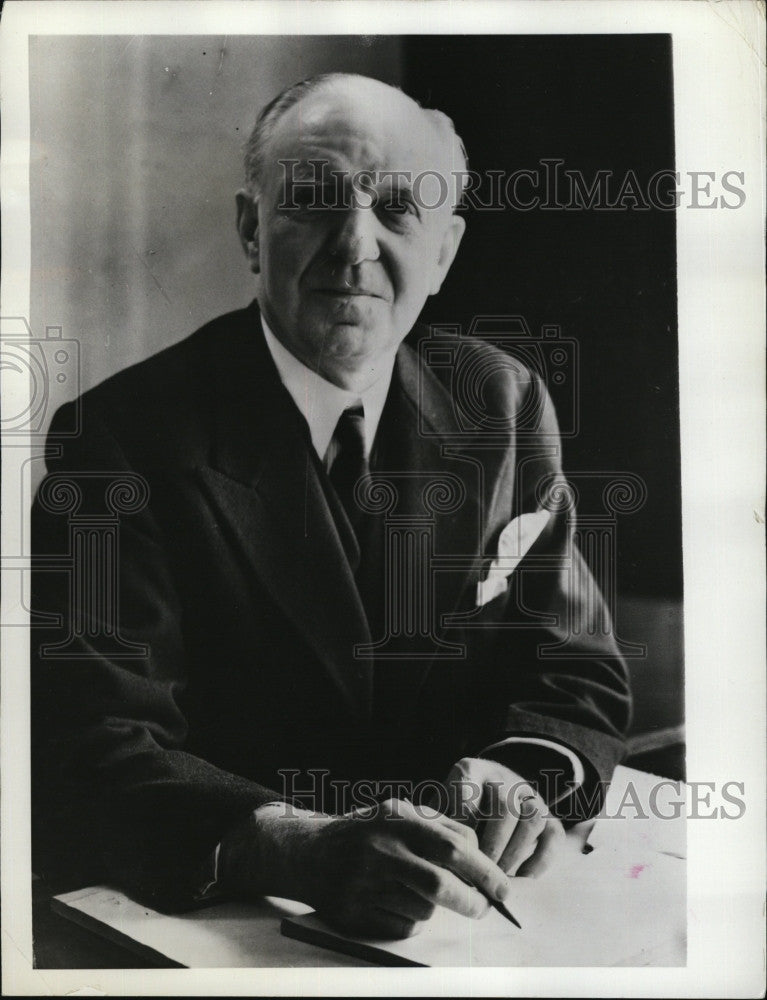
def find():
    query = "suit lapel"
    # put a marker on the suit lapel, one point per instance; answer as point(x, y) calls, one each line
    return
point(423, 439)
point(435, 488)
point(266, 483)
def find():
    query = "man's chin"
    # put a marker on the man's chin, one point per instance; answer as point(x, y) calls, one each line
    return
point(348, 350)
point(343, 339)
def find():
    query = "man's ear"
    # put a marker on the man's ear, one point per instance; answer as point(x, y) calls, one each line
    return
point(247, 227)
point(447, 251)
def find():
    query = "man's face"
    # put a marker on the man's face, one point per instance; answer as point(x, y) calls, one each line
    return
point(342, 286)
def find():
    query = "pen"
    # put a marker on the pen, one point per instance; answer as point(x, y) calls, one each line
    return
point(499, 906)
point(495, 903)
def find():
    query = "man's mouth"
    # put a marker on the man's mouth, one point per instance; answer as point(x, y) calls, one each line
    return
point(346, 292)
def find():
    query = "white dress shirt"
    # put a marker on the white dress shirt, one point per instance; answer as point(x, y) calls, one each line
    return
point(321, 403)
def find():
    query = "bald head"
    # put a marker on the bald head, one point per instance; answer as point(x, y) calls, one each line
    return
point(355, 95)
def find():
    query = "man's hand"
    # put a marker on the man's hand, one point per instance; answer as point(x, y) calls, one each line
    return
point(516, 830)
point(380, 871)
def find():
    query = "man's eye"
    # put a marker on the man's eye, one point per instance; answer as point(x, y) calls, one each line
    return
point(398, 206)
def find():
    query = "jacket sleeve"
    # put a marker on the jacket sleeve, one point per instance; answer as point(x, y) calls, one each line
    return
point(547, 647)
point(115, 796)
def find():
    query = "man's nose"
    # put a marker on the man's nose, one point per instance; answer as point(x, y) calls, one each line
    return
point(354, 239)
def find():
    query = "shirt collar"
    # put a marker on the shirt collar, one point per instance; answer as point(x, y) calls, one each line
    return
point(320, 402)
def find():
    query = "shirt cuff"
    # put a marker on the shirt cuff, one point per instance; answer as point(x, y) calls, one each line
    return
point(577, 773)
point(209, 886)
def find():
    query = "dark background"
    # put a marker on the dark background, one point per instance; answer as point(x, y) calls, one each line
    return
point(607, 278)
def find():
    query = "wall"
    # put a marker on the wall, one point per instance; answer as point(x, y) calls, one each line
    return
point(136, 156)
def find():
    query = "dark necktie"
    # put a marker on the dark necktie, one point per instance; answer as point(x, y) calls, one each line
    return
point(390, 679)
point(350, 462)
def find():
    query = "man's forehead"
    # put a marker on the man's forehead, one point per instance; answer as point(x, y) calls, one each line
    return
point(370, 124)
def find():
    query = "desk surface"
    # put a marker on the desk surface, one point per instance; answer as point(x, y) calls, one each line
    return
point(60, 943)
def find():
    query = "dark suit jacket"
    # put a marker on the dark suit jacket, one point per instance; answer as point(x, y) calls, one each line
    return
point(235, 575)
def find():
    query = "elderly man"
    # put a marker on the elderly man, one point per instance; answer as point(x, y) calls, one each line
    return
point(188, 749)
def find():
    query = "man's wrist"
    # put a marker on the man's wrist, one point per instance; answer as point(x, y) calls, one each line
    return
point(267, 854)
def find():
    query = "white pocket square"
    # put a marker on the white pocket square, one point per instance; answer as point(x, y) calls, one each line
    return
point(513, 544)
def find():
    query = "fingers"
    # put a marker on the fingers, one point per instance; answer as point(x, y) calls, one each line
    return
point(548, 852)
point(394, 863)
point(384, 872)
point(426, 812)
point(531, 824)
point(499, 823)
point(518, 836)
point(463, 794)
point(515, 816)
point(438, 886)
point(440, 860)
point(458, 852)
point(403, 861)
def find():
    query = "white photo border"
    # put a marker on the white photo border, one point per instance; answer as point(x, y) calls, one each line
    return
point(719, 88)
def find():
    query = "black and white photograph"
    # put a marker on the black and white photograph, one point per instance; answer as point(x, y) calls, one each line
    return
point(383, 498)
